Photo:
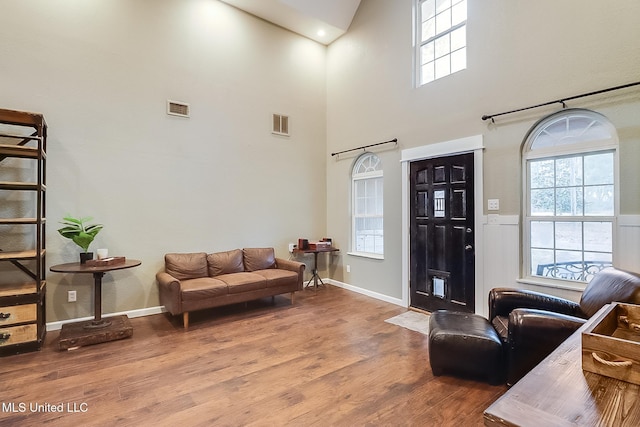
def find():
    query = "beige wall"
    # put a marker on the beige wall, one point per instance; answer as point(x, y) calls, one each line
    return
point(101, 72)
point(519, 54)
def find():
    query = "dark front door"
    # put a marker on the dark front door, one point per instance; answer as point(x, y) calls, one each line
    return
point(442, 234)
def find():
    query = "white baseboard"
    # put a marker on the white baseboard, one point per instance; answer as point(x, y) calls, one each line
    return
point(54, 326)
point(376, 295)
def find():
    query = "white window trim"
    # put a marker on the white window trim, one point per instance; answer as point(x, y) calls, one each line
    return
point(418, 43)
point(370, 255)
point(553, 152)
point(363, 176)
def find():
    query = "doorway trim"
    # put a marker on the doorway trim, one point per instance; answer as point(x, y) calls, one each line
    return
point(472, 144)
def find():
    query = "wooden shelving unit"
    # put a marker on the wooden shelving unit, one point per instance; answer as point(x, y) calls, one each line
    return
point(23, 135)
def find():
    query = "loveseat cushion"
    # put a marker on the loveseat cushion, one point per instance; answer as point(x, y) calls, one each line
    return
point(203, 288)
point(243, 282)
point(259, 258)
point(186, 265)
point(277, 277)
point(225, 262)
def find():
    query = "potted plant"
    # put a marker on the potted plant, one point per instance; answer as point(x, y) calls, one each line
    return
point(81, 233)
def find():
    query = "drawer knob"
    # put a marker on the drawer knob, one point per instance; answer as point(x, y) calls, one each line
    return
point(5, 336)
point(4, 315)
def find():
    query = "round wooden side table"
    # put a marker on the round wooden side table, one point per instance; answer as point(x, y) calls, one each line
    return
point(97, 330)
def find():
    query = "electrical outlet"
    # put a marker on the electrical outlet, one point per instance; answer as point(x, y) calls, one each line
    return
point(348, 268)
point(71, 296)
point(493, 204)
point(292, 246)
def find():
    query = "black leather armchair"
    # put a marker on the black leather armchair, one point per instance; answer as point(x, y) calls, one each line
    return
point(532, 324)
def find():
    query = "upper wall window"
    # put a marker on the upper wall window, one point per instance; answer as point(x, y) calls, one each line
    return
point(367, 212)
point(442, 38)
point(570, 204)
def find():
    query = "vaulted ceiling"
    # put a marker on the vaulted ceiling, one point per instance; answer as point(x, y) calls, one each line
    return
point(320, 20)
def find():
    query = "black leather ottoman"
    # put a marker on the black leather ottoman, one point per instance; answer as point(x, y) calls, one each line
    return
point(465, 344)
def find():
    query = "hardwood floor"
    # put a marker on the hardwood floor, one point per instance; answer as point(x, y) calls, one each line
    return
point(330, 359)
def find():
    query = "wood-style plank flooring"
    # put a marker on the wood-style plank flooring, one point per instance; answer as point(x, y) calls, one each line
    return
point(328, 360)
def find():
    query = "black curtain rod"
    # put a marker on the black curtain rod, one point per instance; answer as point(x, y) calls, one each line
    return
point(394, 140)
point(560, 101)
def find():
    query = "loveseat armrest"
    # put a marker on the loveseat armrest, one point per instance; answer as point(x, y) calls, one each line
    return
point(169, 292)
point(295, 266)
point(533, 335)
point(503, 301)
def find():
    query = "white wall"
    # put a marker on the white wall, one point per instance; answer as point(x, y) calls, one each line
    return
point(101, 72)
point(519, 54)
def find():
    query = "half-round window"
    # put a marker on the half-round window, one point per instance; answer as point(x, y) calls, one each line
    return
point(570, 127)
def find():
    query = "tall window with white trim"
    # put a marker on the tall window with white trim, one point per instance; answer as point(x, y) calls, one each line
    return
point(441, 34)
point(367, 212)
point(570, 207)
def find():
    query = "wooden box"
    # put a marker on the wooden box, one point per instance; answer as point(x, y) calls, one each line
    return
point(106, 261)
point(611, 346)
point(319, 245)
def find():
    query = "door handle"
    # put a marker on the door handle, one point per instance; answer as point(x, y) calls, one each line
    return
point(468, 248)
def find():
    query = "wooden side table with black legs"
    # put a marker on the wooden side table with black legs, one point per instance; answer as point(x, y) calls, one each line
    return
point(98, 330)
point(315, 277)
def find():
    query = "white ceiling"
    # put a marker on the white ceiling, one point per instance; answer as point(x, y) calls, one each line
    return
point(305, 17)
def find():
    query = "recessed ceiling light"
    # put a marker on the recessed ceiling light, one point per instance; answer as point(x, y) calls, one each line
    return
point(321, 33)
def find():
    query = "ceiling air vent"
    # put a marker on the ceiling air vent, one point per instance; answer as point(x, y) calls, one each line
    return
point(280, 125)
point(176, 108)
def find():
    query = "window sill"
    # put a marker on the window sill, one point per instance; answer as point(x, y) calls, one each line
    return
point(553, 284)
point(366, 255)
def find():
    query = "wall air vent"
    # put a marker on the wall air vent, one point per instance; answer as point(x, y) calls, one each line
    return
point(176, 108)
point(280, 125)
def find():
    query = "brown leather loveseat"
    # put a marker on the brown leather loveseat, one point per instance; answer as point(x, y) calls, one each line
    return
point(195, 281)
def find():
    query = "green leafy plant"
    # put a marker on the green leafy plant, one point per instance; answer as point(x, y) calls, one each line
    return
point(77, 230)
